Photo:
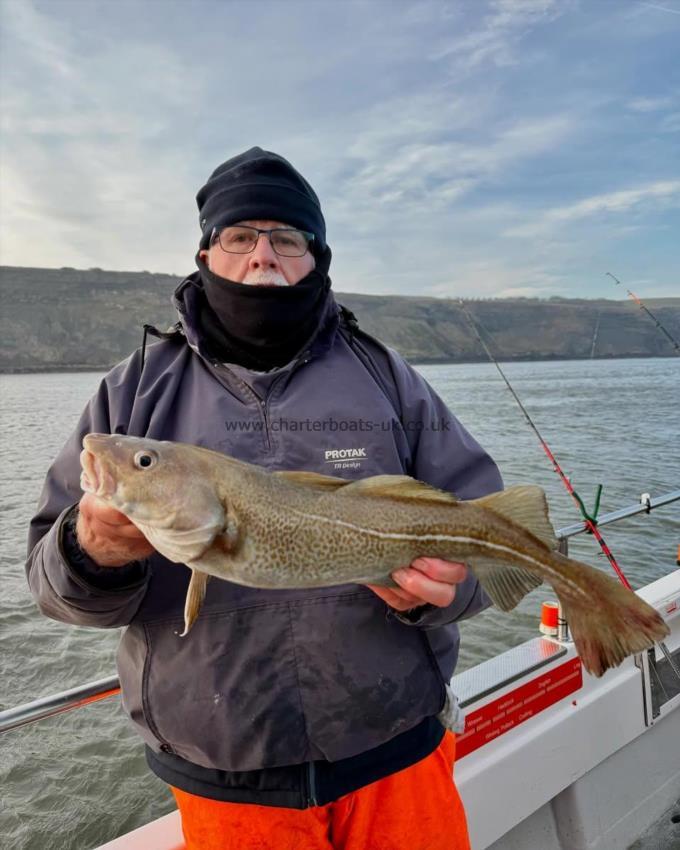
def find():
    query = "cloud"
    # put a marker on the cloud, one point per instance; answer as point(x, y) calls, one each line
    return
point(612, 202)
point(84, 164)
point(670, 123)
point(431, 170)
point(430, 135)
point(496, 38)
point(616, 201)
point(492, 278)
point(650, 104)
point(45, 40)
point(524, 292)
point(428, 12)
point(659, 7)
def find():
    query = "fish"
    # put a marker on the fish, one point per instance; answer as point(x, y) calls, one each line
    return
point(239, 522)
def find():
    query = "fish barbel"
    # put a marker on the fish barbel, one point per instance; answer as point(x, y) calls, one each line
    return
point(236, 521)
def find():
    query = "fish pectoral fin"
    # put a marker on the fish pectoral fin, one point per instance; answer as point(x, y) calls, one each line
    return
point(398, 487)
point(182, 545)
point(526, 505)
point(312, 479)
point(505, 585)
point(194, 600)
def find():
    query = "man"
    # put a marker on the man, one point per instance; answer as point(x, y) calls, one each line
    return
point(303, 719)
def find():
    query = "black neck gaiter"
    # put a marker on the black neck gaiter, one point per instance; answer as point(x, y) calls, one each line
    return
point(261, 327)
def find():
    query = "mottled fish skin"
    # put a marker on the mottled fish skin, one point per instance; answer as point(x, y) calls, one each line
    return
point(239, 522)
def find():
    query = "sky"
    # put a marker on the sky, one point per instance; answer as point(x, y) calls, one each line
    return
point(472, 148)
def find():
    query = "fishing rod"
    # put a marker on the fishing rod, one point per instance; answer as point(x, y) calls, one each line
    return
point(590, 520)
point(638, 301)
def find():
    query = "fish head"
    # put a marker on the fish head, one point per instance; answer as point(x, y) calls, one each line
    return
point(166, 489)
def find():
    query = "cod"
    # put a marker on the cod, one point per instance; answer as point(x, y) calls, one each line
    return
point(236, 521)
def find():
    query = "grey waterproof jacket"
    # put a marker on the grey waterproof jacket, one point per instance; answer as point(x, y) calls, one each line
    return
point(267, 678)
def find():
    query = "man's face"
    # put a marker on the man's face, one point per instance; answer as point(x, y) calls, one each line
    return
point(262, 267)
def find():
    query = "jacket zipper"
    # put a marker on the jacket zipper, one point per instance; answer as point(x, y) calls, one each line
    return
point(311, 785)
point(261, 402)
point(264, 403)
point(263, 408)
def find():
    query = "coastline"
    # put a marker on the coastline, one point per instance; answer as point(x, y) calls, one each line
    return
point(85, 367)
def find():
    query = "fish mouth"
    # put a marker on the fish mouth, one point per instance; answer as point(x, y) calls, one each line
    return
point(95, 477)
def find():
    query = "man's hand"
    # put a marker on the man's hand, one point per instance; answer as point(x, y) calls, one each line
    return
point(108, 537)
point(426, 580)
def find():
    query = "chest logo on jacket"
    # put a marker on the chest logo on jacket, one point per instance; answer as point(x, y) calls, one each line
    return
point(345, 458)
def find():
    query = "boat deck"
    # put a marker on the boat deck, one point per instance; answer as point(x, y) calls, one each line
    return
point(664, 835)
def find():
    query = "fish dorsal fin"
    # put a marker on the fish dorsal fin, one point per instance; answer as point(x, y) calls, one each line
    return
point(505, 585)
point(312, 479)
point(526, 505)
point(399, 487)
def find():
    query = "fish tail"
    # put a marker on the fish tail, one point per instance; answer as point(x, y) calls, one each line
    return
point(608, 622)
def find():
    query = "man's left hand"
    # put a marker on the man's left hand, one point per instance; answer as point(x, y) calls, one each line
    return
point(426, 580)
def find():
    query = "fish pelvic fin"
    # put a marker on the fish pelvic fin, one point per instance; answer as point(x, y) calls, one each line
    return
point(525, 505)
point(505, 585)
point(194, 600)
point(611, 623)
point(402, 488)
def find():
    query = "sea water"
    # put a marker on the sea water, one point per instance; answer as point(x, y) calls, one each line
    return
point(77, 780)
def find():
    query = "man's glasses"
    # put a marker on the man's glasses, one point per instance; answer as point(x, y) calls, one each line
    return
point(242, 239)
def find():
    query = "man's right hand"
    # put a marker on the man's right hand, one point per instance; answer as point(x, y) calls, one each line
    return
point(107, 536)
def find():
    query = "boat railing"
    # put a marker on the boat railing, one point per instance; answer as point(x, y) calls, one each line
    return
point(76, 697)
point(22, 715)
point(644, 506)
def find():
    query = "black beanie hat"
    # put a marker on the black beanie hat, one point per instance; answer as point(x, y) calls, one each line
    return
point(259, 184)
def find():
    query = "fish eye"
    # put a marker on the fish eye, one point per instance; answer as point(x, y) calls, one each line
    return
point(145, 459)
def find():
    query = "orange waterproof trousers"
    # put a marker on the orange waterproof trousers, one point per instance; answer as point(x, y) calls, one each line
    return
point(417, 808)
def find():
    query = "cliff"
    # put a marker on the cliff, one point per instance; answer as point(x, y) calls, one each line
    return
point(73, 319)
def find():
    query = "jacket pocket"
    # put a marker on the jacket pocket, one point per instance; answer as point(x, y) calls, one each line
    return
point(226, 695)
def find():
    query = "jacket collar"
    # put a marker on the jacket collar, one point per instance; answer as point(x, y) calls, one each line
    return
point(185, 300)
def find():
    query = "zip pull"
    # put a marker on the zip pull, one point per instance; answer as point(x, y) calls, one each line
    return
point(312, 799)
